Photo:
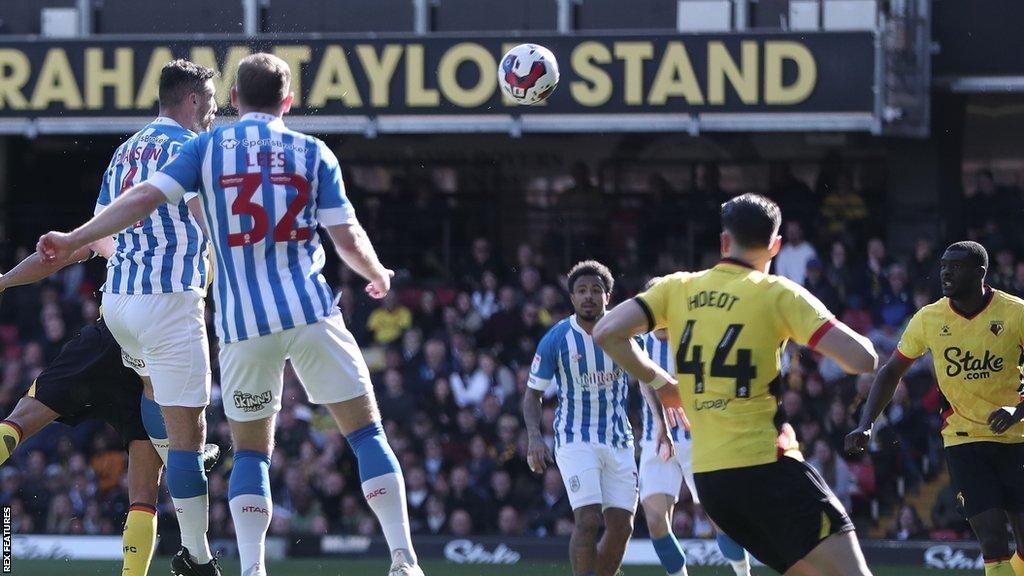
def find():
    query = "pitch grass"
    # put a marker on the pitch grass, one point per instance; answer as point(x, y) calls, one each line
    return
point(322, 567)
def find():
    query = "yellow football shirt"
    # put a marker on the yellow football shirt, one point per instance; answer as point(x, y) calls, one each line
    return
point(977, 363)
point(727, 326)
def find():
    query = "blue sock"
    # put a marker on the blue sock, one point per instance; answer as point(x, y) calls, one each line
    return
point(670, 553)
point(373, 452)
point(186, 477)
point(186, 481)
point(250, 474)
point(732, 551)
point(251, 507)
point(153, 419)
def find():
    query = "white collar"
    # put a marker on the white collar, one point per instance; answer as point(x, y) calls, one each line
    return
point(262, 117)
point(576, 325)
point(166, 120)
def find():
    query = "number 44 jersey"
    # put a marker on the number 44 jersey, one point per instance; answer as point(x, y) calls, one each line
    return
point(727, 326)
point(265, 189)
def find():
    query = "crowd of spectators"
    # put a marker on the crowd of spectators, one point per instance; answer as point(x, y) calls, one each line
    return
point(450, 359)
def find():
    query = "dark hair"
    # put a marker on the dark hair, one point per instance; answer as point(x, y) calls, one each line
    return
point(591, 268)
point(181, 77)
point(752, 220)
point(263, 80)
point(975, 251)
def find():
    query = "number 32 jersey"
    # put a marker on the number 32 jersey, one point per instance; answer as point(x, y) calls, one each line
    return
point(265, 189)
point(727, 326)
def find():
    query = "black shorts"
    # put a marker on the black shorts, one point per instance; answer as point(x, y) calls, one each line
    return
point(88, 381)
point(779, 511)
point(987, 475)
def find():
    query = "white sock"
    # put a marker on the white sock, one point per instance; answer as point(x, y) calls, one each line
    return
point(682, 572)
point(194, 521)
point(386, 496)
point(251, 514)
point(741, 567)
point(162, 445)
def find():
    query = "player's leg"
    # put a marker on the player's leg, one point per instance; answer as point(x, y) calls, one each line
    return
point(618, 527)
point(1011, 468)
point(167, 332)
point(249, 490)
point(153, 420)
point(659, 488)
point(733, 552)
point(984, 484)
point(252, 376)
point(580, 466)
point(583, 542)
point(837, 555)
point(139, 537)
point(28, 418)
point(620, 488)
point(1017, 525)
point(658, 512)
point(332, 370)
point(990, 529)
point(60, 391)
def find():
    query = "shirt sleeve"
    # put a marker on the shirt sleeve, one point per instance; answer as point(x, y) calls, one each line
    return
point(105, 197)
point(654, 301)
point(805, 317)
point(182, 173)
point(912, 343)
point(333, 206)
point(542, 370)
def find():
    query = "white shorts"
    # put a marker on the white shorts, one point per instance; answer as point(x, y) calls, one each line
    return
point(598, 474)
point(163, 336)
point(660, 477)
point(324, 355)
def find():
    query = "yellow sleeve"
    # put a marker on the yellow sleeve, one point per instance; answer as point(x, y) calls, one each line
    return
point(806, 319)
point(654, 301)
point(405, 321)
point(912, 344)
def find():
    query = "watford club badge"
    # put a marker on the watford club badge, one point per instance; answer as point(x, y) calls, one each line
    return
point(996, 327)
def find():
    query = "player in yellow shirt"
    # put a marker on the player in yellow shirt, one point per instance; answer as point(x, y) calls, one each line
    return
point(727, 326)
point(975, 335)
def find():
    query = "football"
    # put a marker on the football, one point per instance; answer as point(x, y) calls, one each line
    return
point(528, 73)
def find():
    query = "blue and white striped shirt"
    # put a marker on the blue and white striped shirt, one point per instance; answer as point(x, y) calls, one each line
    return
point(166, 252)
point(658, 350)
point(592, 389)
point(265, 189)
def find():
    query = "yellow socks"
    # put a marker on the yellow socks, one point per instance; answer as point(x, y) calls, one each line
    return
point(139, 539)
point(1017, 562)
point(998, 568)
point(10, 437)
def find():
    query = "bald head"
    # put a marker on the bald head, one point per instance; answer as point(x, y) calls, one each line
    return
point(263, 81)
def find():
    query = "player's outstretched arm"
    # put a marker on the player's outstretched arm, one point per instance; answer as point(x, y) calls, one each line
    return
point(854, 353)
point(882, 390)
point(357, 251)
point(134, 205)
point(34, 268)
point(614, 334)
